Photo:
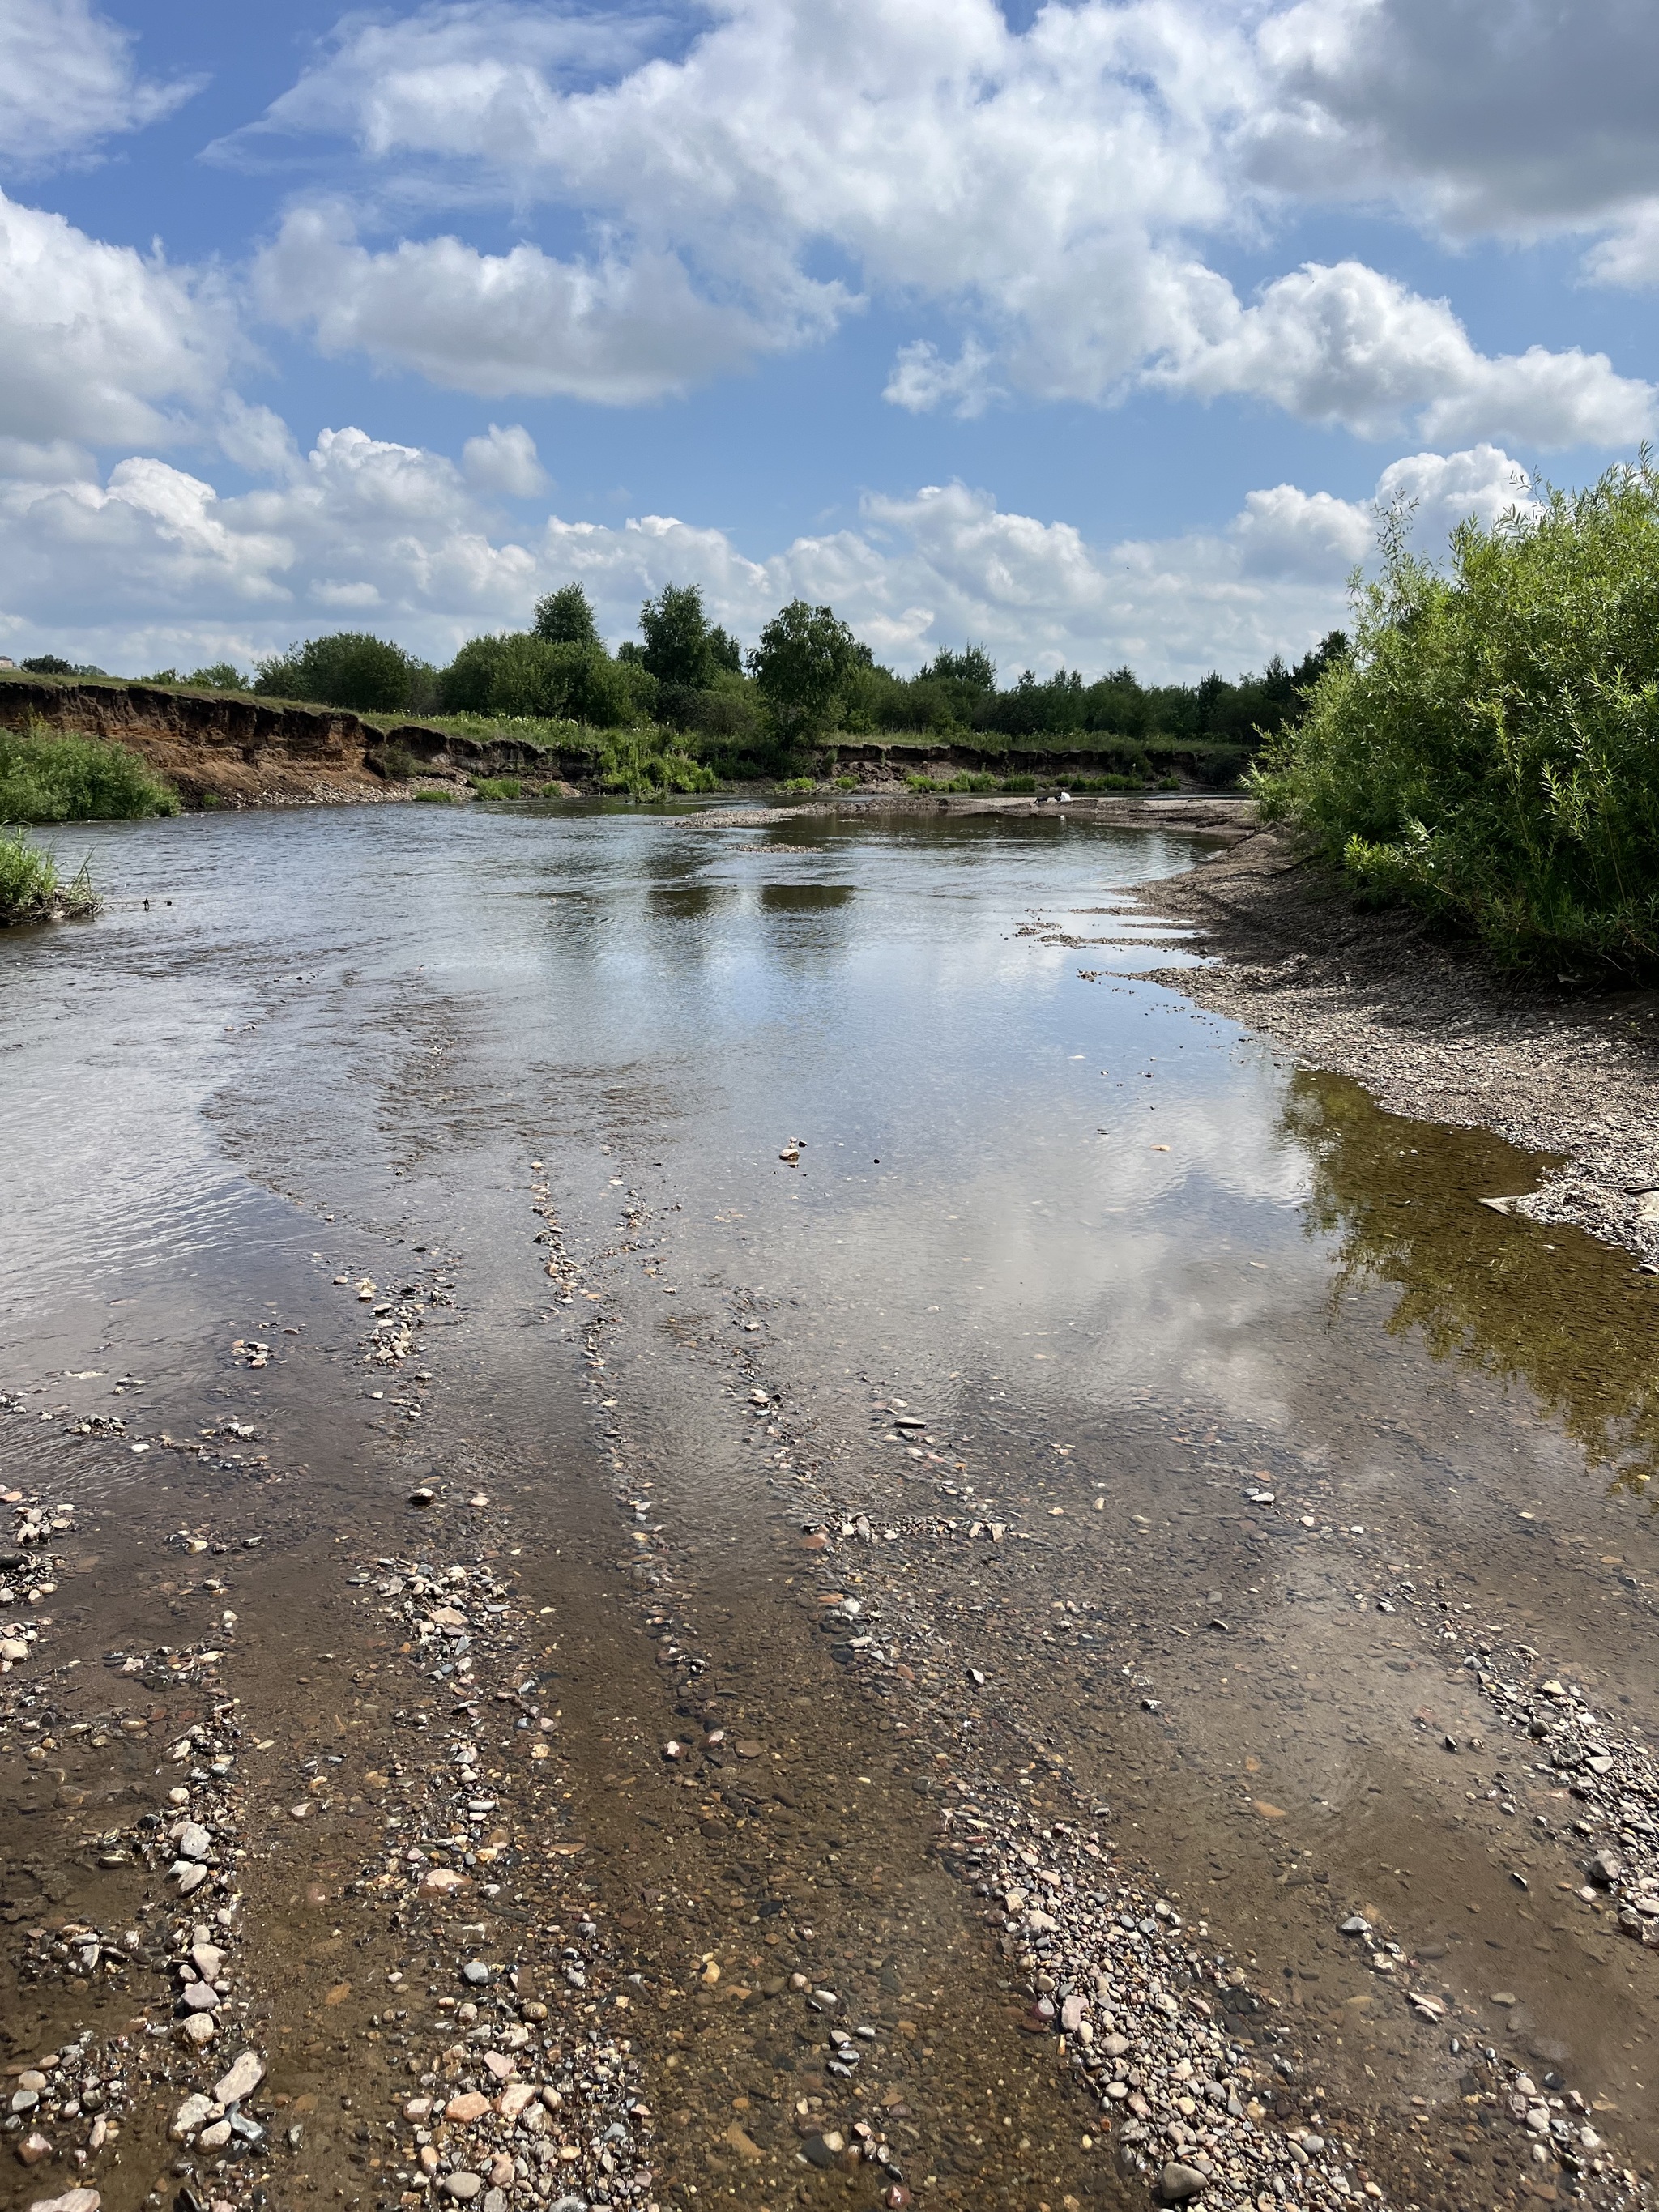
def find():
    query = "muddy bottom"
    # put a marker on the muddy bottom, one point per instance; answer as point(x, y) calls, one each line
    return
point(690, 1526)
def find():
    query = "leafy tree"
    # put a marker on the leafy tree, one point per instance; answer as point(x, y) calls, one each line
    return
point(347, 669)
point(804, 658)
point(523, 674)
point(676, 641)
point(565, 618)
point(725, 651)
point(973, 667)
point(49, 664)
point(217, 676)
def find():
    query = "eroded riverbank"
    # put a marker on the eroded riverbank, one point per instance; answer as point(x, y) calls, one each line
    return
point(730, 1654)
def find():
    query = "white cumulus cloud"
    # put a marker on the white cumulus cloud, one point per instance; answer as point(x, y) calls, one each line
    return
point(1063, 190)
point(100, 343)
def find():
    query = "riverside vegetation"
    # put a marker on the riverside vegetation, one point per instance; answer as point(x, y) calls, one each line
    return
point(46, 777)
point(1490, 749)
point(684, 705)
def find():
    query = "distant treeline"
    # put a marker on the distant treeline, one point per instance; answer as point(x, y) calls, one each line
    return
point(806, 682)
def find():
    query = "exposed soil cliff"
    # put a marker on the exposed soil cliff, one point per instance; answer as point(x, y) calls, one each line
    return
point(243, 752)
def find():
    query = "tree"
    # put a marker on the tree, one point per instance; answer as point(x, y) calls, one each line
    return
point(49, 664)
point(804, 658)
point(565, 618)
point(347, 669)
point(972, 667)
point(677, 648)
point(217, 676)
point(725, 651)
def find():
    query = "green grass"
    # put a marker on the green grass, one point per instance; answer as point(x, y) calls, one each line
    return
point(430, 798)
point(1491, 750)
point(49, 776)
point(30, 890)
point(798, 783)
point(498, 787)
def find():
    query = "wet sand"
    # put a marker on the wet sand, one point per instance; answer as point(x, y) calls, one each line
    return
point(828, 1701)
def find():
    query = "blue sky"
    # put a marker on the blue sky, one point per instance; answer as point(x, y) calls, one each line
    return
point(1093, 331)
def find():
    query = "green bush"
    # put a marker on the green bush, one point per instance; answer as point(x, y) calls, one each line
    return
point(642, 762)
point(348, 669)
point(497, 787)
point(521, 674)
point(394, 762)
point(798, 783)
point(1017, 783)
point(50, 776)
point(1490, 751)
point(428, 797)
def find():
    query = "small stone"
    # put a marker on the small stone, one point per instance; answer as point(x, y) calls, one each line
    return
point(1115, 2046)
point(202, 1996)
point(12, 1648)
point(192, 1841)
point(1503, 1997)
point(498, 2064)
point(1070, 2015)
point(495, 2200)
point(197, 2029)
point(1605, 1868)
point(189, 1876)
point(467, 2106)
point(515, 2097)
point(441, 1881)
point(73, 2200)
point(475, 1973)
point(417, 2108)
point(243, 2079)
point(1354, 1925)
point(208, 1960)
point(423, 1495)
point(33, 2149)
point(191, 2115)
point(501, 2171)
point(1176, 2184)
point(462, 2186)
point(214, 2137)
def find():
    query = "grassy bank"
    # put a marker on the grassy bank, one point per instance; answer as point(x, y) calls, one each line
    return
point(1490, 751)
point(47, 775)
point(30, 890)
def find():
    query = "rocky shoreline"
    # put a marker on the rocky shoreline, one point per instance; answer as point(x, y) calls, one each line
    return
point(1428, 1029)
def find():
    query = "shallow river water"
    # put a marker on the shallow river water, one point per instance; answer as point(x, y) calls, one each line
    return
point(740, 1427)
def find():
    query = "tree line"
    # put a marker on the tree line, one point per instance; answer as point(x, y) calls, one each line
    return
point(807, 677)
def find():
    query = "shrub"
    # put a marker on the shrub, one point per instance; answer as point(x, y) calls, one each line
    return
point(393, 763)
point(49, 776)
point(847, 783)
point(798, 783)
point(497, 787)
point(348, 669)
point(521, 674)
point(1017, 783)
point(1490, 751)
point(217, 676)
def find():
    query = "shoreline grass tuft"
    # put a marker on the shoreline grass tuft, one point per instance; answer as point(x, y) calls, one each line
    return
point(30, 890)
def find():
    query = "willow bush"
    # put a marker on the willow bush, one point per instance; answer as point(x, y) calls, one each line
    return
point(1489, 750)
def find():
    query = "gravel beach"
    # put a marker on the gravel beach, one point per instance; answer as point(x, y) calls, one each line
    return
point(1428, 1029)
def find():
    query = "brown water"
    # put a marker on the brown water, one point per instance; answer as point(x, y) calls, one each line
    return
point(1128, 1266)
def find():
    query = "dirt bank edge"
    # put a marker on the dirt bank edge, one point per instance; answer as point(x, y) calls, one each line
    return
point(1428, 1027)
point(237, 750)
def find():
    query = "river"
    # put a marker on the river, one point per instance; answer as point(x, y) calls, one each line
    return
point(742, 1427)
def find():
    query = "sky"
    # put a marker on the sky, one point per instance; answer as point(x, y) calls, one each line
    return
point(1095, 332)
